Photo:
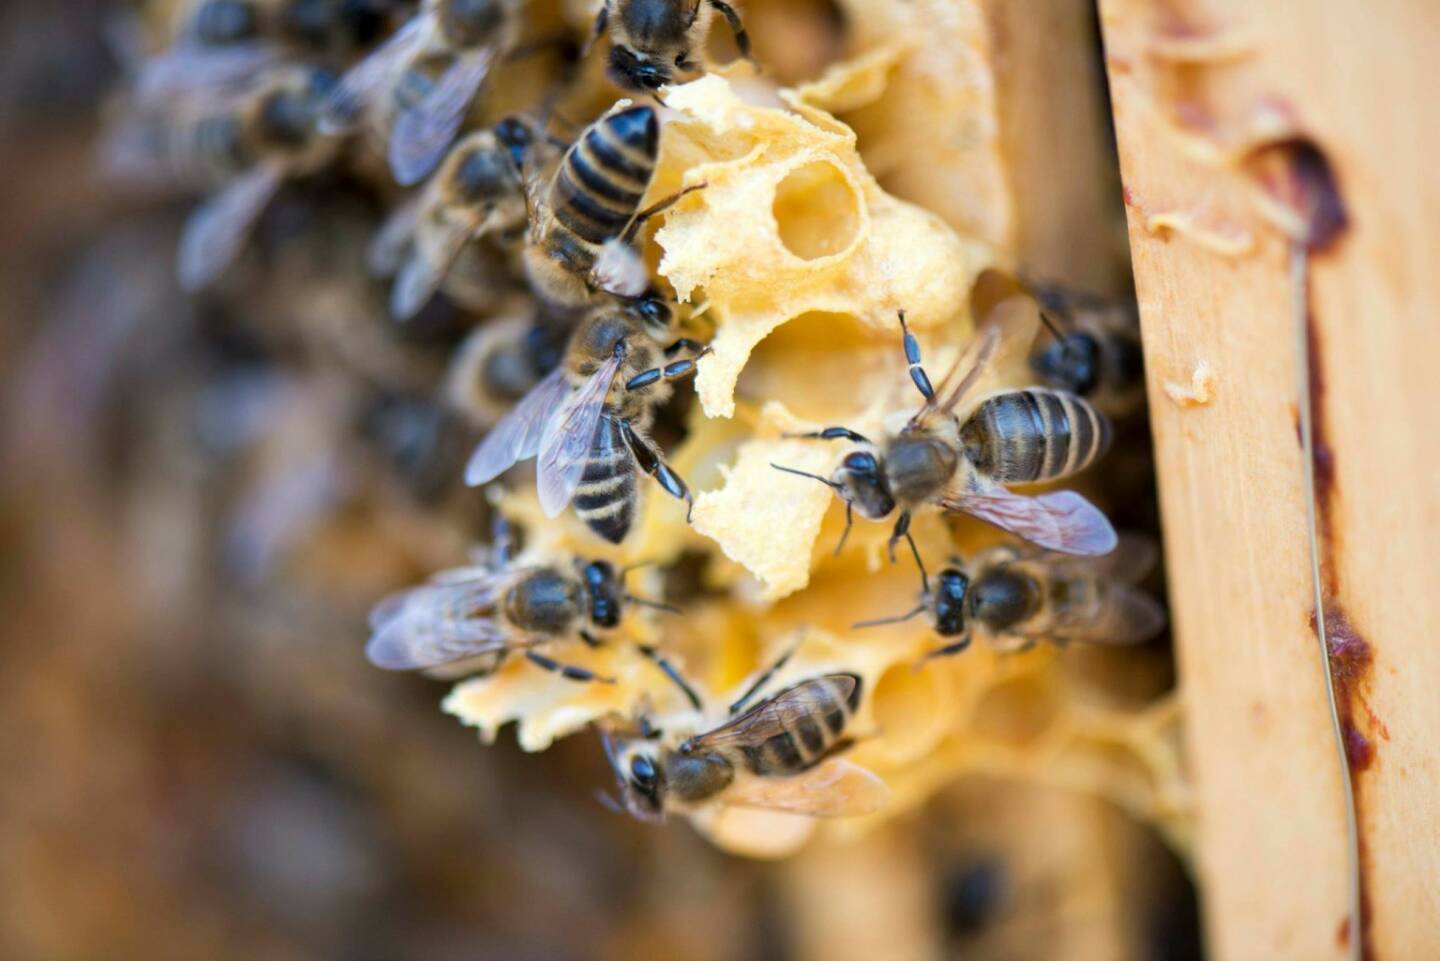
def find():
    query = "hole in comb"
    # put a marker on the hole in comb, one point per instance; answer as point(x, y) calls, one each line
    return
point(816, 210)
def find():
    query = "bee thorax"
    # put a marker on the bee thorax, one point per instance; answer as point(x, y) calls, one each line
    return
point(546, 602)
point(918, 468)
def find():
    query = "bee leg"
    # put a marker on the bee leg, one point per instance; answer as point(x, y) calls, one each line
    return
point(502, 540)
point(742, 39)
point(834, 433)
point(761, 681)
point(946, 651)
point(660, 206)
point(685, 343)
point(568, 671)
point(602, 20)
point(674, 370)
point(652, 462)
point(674, 674)
point(589, 638)
point(902, 529)
point(912, 357)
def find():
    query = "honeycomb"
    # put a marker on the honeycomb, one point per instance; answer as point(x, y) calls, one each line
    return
point(795, 259)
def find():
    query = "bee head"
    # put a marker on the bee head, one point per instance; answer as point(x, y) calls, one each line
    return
point(653, 310)
point(631, 71)
point(860, 480)
point(1071, 363)
point(517, 136)
point(951, 590)
point(603, 589)
point(639, 776)
point(288, 115)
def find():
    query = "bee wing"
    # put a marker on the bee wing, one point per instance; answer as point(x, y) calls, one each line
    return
point(1132, 617)
point(217, 229)
point(777, 715)
point(518, 434)
point(620, 270)
point(565, 446)
point(423, 132)
point(831, 789)
point(387, 249)
point(421, 275)
point(435, 624)
point(357, 88)
point(1130, 562)
point(1010, 328)
point(1062, 521)
point(190, 68)
point(1132, 559)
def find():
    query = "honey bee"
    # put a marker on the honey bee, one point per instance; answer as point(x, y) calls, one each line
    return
point(583, 222)
point(964, 465)
point(1095, 349)
point(225, 42)
point(1019, 596)
point(249, 143)
point(501, 362)
point(476, 192)
point(494, 608)
point(587, 421)
point(653, 39)
point(466, 38)
point(780, 755)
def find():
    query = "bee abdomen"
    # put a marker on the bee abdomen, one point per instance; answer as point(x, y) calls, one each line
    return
point(604, 175)
point(811, 738)
point(1034, 434)
point(605, 498)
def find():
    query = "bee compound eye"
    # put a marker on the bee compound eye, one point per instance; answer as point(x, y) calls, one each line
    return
point(860, 462)
point(642, 771)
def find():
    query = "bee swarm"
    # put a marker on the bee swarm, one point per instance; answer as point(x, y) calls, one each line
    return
point(791, 261)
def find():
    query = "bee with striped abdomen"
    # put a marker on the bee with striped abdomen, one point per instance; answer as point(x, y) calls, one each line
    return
point(583, 221)
point(653, 39)
point(473, 617)
point(476, 192)
point(462, 40)
point(1017, 436)
point(587, 421)
point(780, 755)
point(1016, 597)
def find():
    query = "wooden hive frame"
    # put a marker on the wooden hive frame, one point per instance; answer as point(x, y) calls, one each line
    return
point(1289, 354)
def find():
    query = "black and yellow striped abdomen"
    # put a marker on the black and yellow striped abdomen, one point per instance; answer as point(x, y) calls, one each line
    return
point(600, 182)
point(812, 738)
point(1034, 434)
point(605, 499)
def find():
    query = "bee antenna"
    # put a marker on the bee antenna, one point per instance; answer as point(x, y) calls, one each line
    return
point(653, 605)
point(1054, 328)
point(849, 520)
point(899, 619)
point(673, 673)
point(792, 470)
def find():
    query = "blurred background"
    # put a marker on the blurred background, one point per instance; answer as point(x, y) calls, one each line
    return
point(199, 506)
